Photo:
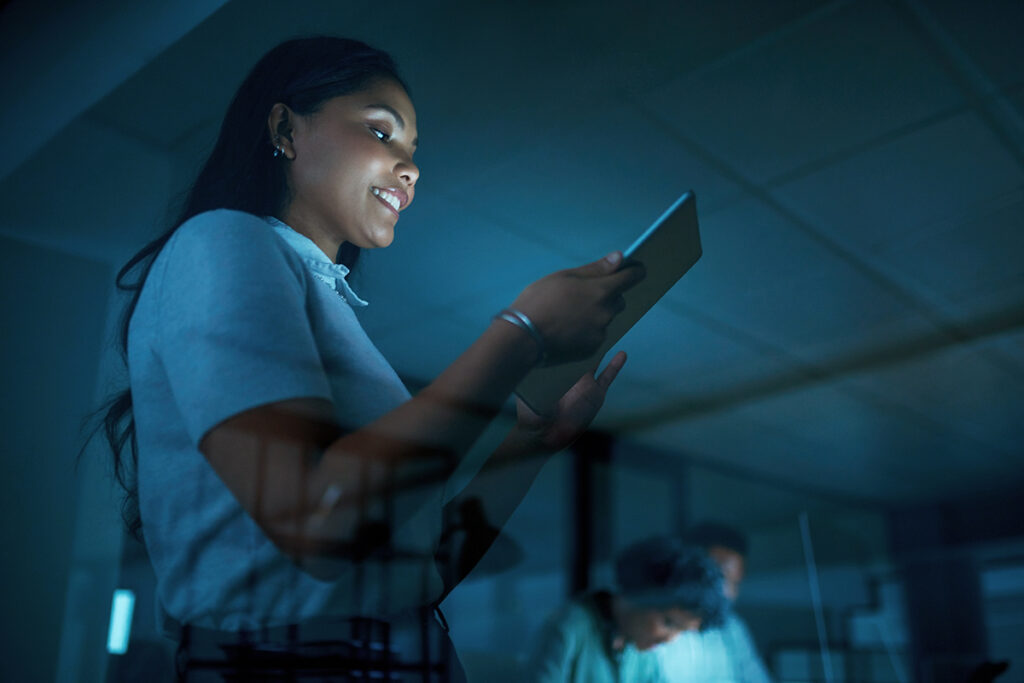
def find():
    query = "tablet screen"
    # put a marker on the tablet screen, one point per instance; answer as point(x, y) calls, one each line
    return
point(667, 250)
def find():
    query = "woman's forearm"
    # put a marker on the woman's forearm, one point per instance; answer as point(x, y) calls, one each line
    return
point(416, 446)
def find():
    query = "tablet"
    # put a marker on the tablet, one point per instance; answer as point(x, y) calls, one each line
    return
point(667, 250)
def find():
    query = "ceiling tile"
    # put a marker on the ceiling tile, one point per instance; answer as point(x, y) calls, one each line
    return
point(971, 259)
point(901, 189)
point(764, 277)
point(1008, 349)
point(596, 187)
point(644, 44)
point(459, 252)
point(988, 32)
point(688, 360)
point(967, 389)
point(849, 76)
point(526, 75)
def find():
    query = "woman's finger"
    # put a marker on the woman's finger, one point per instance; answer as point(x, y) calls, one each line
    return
point(611, 371)
point(601, 267)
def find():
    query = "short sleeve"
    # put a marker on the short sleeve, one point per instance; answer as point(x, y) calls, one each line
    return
point(231, 326)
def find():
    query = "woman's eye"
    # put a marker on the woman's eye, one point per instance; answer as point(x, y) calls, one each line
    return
point(381, 135)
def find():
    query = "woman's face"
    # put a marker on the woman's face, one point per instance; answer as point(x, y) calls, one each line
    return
point(733, 568)
point(649, 627)
point(350, 168)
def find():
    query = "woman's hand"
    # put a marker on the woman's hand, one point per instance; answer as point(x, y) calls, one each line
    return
point(573, 413)
point(572, 308)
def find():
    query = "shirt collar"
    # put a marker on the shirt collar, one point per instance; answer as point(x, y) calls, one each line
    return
point(324, 269)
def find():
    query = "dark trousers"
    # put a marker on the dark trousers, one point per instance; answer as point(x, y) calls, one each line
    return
point(412, 647)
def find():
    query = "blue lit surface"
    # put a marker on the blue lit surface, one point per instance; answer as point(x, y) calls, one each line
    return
point(120, 621)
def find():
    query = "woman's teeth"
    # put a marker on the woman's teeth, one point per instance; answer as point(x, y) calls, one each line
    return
point(388, 197)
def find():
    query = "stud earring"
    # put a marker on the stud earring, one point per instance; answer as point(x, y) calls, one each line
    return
point(278, 149)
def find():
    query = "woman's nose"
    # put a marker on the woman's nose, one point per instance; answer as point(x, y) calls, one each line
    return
point(408, 171)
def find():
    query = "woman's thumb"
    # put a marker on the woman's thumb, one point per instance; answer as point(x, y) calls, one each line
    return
point(602, 266)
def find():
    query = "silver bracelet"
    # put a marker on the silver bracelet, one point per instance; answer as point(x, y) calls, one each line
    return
point(520, 320)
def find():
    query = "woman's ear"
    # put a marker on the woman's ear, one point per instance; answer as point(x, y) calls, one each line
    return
point(279, 129)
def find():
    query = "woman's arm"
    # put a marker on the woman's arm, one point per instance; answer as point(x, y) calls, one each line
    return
point(308, 484)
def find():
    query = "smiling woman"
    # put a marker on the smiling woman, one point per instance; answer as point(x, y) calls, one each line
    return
point(351, 170)
point(284, 478)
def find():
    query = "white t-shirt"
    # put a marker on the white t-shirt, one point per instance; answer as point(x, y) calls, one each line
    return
point(240, 311)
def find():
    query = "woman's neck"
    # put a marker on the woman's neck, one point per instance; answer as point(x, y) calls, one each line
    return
point(295, 219)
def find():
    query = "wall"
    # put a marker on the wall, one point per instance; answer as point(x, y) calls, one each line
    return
point(53, 311)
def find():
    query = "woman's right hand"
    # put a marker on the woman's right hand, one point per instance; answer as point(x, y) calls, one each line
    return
point(571, 309)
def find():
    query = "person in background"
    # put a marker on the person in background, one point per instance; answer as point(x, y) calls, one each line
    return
point(665, 588)
point(726, 653)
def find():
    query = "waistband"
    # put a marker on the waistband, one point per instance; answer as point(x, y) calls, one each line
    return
point(361, 647)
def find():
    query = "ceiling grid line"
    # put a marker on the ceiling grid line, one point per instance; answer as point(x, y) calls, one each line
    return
point(763, 41)
point(1002, 121)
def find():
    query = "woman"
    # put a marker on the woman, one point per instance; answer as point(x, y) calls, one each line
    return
point(284, 474)
point(664, 588)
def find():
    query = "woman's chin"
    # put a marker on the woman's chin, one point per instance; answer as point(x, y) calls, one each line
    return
point(380, 239)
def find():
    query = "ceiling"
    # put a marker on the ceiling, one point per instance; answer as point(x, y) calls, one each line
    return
point(856, 324)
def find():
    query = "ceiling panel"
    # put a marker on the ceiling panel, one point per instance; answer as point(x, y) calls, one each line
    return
point(1010, 350)
point(458, 257)
point(837, 81)
point(595, 185)
point(647, 43)
point(903, 188)
point(762, 274)
point(972, 390)
point(971, 259)
point(686, 359)
point(1016, 99)
point(989, 33)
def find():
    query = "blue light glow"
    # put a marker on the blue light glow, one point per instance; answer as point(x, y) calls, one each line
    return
point(120, 621)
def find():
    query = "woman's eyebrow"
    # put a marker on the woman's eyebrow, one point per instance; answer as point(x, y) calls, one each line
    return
point(394, 112)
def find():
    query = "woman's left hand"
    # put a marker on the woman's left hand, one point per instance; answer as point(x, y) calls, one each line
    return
point(574, 411)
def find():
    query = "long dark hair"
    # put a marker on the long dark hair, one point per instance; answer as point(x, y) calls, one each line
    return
point(241, 173)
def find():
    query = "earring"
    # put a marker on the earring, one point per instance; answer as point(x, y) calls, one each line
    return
point(278, 149)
